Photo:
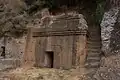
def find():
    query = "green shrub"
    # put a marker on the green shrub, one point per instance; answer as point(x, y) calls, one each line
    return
point(99, 11)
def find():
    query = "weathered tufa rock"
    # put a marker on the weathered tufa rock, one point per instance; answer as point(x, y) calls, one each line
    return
point(109, 70)
point(110, 33)
point(48, 20)
point(14, 49)
point(107, 26)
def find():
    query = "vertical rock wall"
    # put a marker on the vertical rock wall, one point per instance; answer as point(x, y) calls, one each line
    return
point(110, 33)
point(14, 49)
point(107, 28)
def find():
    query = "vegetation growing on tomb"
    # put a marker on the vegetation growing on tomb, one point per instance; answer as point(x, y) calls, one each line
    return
point(99, 11)
point(94, 7)
point(12, 21)
point(14, 18)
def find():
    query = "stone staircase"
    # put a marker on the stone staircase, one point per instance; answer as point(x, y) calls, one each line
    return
point(4, 76)
point(9, 63)
point(6, 65)
point(93, 48)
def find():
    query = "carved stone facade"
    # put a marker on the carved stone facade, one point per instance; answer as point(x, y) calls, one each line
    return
point(60, 44)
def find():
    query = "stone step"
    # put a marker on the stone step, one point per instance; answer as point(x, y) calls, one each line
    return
point(94, 32)
point(94, 40)
point(92, 65)
point(93, 59)
point(91, 71)
point(93, 50)
point(94, 29)
point(4, 76)
point(93, 46)
point(93, 43)
point(9, 63)
point(93, 54)
point(94, 37)
point(3, 67)
point(9, 60)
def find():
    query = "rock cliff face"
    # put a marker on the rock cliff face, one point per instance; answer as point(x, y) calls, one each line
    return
point(14, 49)
point(108, 27)
point(12, 18)
point(12, 21)
point(110, 34)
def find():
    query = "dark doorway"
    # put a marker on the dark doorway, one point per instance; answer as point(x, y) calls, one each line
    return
point(3, 51)
point(49, 59)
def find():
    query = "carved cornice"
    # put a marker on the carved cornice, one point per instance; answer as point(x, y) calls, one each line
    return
point(59, 33)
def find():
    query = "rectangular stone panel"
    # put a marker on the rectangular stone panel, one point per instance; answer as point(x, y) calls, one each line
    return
point(40, 50)
point(29, 55)
point(80, 51)
point(63, 49)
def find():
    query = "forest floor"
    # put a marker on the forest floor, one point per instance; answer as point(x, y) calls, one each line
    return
point(46, 74)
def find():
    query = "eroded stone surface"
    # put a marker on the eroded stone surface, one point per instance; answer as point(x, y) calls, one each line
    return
point(109, 69)
point(107, 26)
point(64, 35)
point(14, 49)
point(48, 20)
point(110, 27)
